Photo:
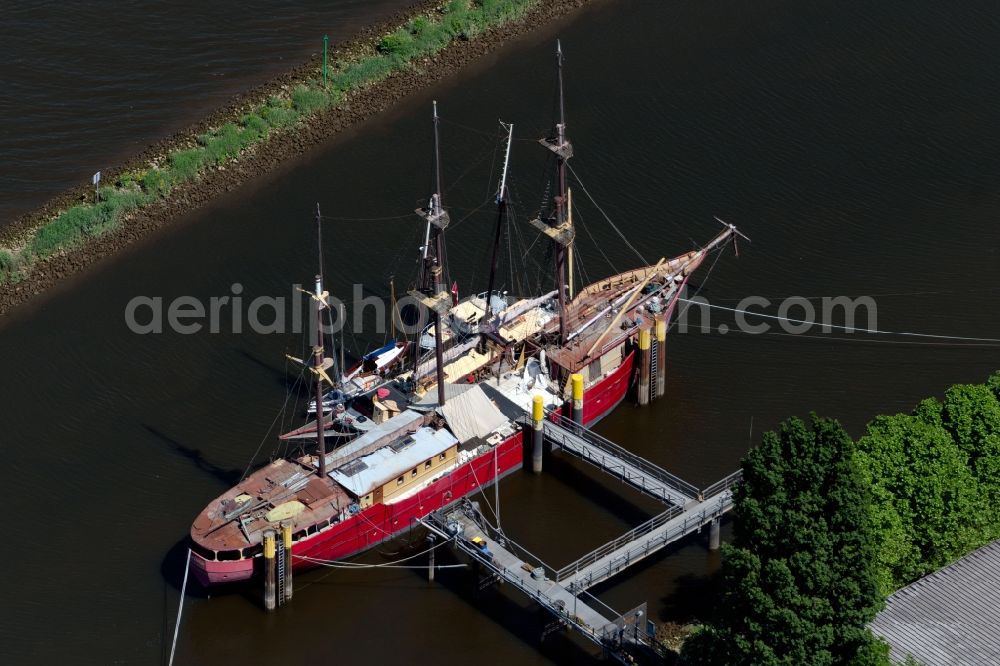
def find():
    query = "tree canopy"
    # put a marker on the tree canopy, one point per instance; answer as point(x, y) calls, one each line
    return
point(826, 529)
point(799, 588)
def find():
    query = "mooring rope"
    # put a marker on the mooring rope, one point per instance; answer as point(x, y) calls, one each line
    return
point(180, 608)
point(344, 564)
point(848, 329)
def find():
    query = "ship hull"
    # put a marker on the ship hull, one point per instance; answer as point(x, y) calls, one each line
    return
point(381, 522)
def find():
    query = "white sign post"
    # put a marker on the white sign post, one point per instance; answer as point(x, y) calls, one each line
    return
point(97, 181)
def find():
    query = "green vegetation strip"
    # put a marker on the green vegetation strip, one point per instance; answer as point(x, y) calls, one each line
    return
point(826, 528)
point(418, 38)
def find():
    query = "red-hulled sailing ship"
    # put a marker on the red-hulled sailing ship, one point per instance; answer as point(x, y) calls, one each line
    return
point(437, 434)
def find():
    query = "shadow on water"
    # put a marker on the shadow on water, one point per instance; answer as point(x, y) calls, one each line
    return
point(524, 622)
point(228, 476)
point(694, 598)
point(284, 376)
point(172, 570)
point(593, 491)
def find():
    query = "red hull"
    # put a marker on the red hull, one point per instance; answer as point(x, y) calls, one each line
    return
point(380, 522)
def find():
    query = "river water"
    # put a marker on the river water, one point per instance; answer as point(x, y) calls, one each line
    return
point(855, 144)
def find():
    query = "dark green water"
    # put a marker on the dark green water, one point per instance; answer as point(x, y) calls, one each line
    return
point(855, 143)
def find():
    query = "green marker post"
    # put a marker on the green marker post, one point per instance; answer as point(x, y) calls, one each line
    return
point(326, 41)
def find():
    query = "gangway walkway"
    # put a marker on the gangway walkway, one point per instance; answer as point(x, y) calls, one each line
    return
point(646, 539)
point(594, 620)
point(619, 462)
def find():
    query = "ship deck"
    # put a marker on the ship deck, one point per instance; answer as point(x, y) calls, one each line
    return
point(593, 310)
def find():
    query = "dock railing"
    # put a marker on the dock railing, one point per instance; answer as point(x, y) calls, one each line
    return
point(611, 546)
point(566, 430)
point(694, 518)
point(606, 635)
point(722, 485)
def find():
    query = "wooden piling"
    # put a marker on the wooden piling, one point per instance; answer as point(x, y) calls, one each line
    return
point(537, 433)
point(661, 357)
point(270, 569)
point(644, 359)
point(430, 564)
point(286, 540)
point(577, 380)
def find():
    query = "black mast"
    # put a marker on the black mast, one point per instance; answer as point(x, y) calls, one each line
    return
point(501, 208)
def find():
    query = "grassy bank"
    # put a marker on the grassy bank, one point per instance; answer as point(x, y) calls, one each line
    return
point(418, 38)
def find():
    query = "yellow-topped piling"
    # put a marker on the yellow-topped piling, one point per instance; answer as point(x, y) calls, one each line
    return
point(644, 360)
point(661, 357)
point(577, 380)
point(286, 541)
point(269, 570)
point(538, 432)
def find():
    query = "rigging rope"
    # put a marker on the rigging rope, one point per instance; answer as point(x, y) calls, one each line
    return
point(718, 254)
point(613, 226)
point(344, 564)
point(848, 329)
point(281, 411)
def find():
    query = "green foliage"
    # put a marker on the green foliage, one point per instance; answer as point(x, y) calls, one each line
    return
point(993, 383)
point(419, 25)
point(223, 144)
point(799, 585)
point(971, 413)
point(279, 113)
point(255, 124)
point(156, 183)
point(8, 266)
point(79, 222)
point(307, 100)
point(396, 43)
point(927, 503)
point(185, 164)
point(420, 37)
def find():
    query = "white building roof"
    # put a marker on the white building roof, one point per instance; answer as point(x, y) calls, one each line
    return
point(363, 475)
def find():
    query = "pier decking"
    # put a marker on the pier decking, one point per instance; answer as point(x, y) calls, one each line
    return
point(561, 591)
point(641, 474)
point(637, 544)
point(513, 564)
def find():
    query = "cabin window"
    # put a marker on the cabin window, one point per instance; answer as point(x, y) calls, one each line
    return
point(413, 472)
point(251, 551)
point(368, 497)
point(207, 553)
point(298, 535)
point(228, 555)
point(311, 530)
point(427, 465)
point(399, 481)
point(441, 457)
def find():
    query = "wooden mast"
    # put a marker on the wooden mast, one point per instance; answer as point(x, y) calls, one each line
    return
point(319, 349)
point(561, 199)
point(318, 366)
point(431, 289)
point(559, 229)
